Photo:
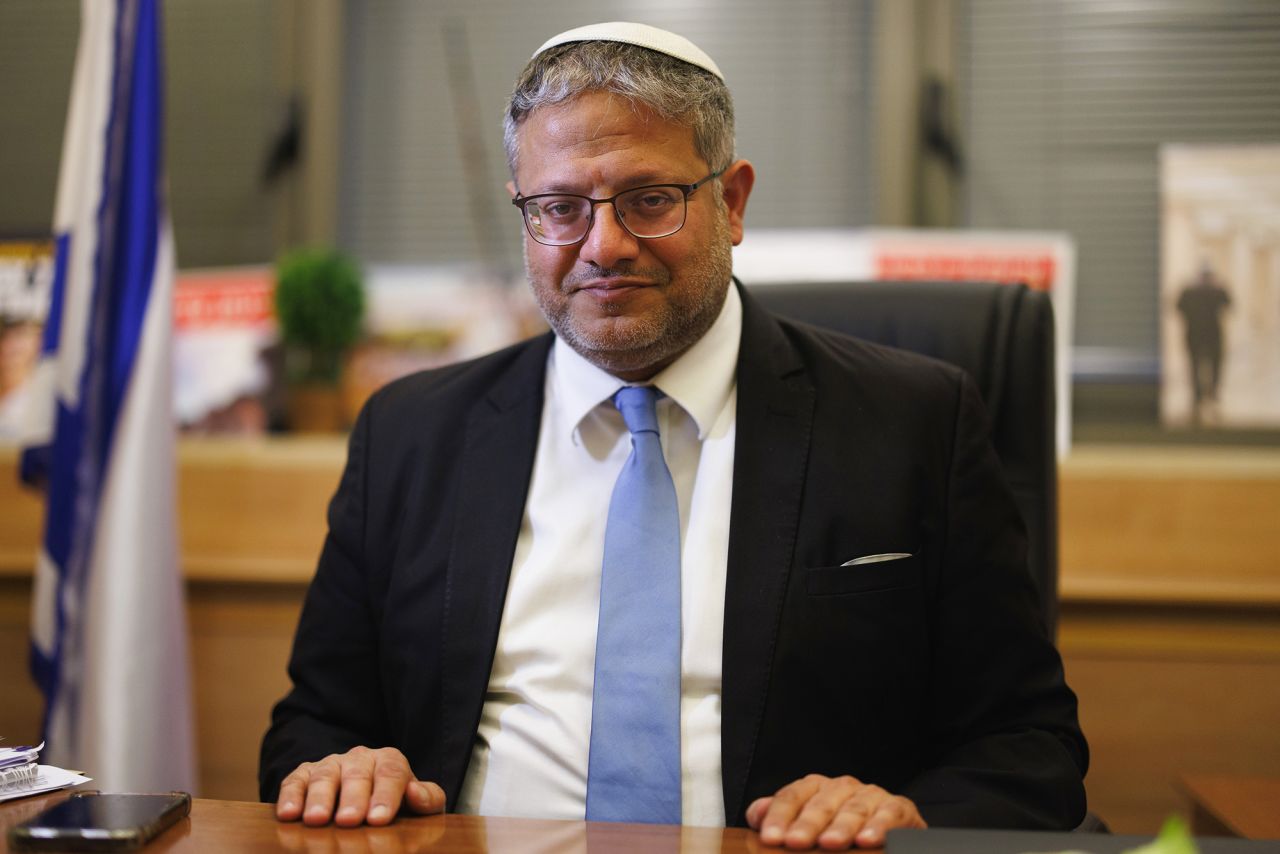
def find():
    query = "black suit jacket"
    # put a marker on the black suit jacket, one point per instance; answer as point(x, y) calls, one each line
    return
point(930, 676)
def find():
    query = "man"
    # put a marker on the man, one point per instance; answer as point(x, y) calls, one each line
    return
point(1202, 304)
point(855, 644)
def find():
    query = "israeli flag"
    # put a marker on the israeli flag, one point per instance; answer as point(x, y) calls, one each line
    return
point(109, 635)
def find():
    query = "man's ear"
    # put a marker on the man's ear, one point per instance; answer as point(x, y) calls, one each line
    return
point(737, 182)
point(511, 188)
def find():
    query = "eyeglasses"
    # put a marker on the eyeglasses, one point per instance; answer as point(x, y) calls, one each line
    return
point(562, 219)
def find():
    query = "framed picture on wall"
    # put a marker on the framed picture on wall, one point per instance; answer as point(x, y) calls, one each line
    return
point(1220, 286)
point(26, 280)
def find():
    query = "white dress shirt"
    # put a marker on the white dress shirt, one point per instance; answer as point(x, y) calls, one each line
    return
point(531, 749)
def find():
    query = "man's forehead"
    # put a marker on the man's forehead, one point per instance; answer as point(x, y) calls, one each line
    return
point(602, 171)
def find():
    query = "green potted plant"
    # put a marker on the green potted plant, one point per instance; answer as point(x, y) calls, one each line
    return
point(320, 305)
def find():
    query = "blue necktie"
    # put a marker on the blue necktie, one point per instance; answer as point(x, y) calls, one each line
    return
point(634, 769)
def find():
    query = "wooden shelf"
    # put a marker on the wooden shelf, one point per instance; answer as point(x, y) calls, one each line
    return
point(1139, 524)
point(250, 510)
point(1169, 524)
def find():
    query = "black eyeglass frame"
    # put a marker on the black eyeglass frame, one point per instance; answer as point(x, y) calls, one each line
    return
point(522, 201)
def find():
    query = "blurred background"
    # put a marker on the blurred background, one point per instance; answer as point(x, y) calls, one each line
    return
point(375, 128)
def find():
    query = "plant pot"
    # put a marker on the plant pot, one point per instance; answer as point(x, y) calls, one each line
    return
point(315, 408)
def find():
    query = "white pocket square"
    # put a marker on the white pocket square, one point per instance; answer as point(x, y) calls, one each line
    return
point(859, 561)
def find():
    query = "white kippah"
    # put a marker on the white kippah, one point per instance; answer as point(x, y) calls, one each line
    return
point(641, 35)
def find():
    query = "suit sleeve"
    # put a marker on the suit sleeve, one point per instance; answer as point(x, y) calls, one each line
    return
point(1006, 747)
point(336, 701)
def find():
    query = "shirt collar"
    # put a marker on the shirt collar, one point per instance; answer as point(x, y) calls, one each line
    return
point(699, 381)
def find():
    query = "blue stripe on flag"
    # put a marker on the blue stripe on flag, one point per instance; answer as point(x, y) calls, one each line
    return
point(136, 213)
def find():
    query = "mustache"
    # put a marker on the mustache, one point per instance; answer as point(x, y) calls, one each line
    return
point(594, 273)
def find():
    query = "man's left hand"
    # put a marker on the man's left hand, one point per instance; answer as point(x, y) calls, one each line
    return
point(833, 813)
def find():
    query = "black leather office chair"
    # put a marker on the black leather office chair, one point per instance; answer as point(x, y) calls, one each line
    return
point(1003, 336)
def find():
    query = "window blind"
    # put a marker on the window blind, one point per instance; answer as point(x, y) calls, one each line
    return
point(1066, 103)
point(798, 73)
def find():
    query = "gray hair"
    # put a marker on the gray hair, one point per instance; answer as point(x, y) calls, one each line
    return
point(672, 88)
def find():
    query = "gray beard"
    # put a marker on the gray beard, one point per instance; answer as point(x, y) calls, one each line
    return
point(645, 346)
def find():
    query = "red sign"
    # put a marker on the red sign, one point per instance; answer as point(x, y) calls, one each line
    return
point(235, 298)
point(1037, 270)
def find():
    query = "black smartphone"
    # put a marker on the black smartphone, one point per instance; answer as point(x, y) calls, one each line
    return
point(92, 821)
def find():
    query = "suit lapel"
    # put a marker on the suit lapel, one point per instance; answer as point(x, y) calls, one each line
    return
point(502, 436)
point(775, 415)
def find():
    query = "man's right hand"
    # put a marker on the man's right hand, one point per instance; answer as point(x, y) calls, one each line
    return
point(367, 786)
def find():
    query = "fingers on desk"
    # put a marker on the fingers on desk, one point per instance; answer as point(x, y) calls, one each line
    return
point(293, 792)
point(322, 783)
point(830, 813)
point(364, 785)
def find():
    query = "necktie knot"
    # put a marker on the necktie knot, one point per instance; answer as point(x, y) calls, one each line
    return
point(638, 405)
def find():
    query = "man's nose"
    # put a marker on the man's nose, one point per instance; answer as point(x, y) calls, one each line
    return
point(607, 240)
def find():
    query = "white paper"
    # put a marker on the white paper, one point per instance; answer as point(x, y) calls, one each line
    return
point(49, 779)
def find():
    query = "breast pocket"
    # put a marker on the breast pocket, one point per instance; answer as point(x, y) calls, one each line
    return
point(882, 576)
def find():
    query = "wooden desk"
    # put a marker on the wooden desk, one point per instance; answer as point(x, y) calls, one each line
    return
point(1224, 805)
point(246, 828)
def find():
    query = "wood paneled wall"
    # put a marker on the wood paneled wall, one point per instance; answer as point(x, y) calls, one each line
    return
point(1170, 624)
